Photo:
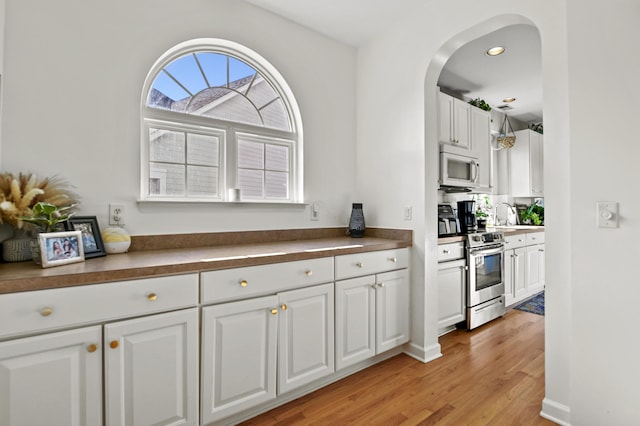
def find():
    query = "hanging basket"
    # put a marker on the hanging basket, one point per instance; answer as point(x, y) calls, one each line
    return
point(506, 140)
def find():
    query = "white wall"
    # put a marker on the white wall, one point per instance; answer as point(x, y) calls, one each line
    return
point(73, 81)
point(397, 74)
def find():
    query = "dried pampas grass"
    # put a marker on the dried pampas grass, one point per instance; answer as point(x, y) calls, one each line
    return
point(19, 193)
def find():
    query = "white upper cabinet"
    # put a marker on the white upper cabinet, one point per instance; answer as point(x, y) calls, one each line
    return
point(525, 165)
point(454, 121)
point(481, 141)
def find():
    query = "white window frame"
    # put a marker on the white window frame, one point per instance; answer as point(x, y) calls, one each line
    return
point(152, 117)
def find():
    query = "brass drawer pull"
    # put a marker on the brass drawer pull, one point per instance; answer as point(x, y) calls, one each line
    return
point(274, 311)
point(244, 283)
point(45, 312)
point(308, 272)
point(393, 259)
point(114, 344)
point(283, 307)
point(92, 348)
point(359, 264)
point(152, 297)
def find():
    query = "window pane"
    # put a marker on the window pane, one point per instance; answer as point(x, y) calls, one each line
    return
point(250, 155)
point(166, 179)
point(275, 116)
point(238, 69)
point(167, 92)
point(277, 185)
point(166, 145)
point(224, 104)
point(277, 158)
point(261, 92)
point(215, 67)
point(202, 181)
point(251, 183)
point(203, 149)
point(186, 71)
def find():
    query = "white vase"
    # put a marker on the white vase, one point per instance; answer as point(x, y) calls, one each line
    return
point(17, 248)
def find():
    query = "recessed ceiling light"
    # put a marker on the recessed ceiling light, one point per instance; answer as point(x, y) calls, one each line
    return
point(495, 51)
point(508, 99)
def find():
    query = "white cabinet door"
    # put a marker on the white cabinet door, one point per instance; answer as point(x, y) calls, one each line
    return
point(239, 342)
point(305, 336)
point(509, 289)
point(392, 309)
point(454, 121)
point(462, 124)
point(52, 379)
point(355, 320)
point(535, 269)
point(536, 150)
point(525, 165)
point(481, 141)
point(151, 370)
point(519, 273)
point(452, 288)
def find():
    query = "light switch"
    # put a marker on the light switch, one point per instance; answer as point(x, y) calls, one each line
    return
point(607, 214)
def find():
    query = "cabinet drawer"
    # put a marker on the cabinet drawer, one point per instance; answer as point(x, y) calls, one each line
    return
point(450, 251)
point(354, 265)
point(35, 311)
point(242, 283)
point(535, 238)
point(515, 241)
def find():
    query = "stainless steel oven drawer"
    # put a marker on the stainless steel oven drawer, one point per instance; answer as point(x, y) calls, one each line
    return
point(485, 312)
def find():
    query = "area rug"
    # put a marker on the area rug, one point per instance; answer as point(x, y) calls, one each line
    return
point(535, 305)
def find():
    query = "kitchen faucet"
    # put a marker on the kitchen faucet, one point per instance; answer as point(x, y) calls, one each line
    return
point(498, 218)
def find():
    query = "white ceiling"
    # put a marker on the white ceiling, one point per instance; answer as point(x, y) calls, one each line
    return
point(469, 72)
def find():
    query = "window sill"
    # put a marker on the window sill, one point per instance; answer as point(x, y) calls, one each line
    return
point(223, 202)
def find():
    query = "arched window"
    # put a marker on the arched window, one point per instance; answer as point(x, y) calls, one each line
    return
point(217, 116)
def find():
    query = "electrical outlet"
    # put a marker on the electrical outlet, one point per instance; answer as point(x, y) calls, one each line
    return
point(315, 211)
point(116, 214)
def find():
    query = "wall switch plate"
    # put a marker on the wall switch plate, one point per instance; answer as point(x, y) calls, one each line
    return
point(407, 212)
point(116, 214)
point(607, 214)
point(315, 211)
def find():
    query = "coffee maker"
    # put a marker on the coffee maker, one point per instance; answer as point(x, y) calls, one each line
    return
point(467, 216)
point(447, 221)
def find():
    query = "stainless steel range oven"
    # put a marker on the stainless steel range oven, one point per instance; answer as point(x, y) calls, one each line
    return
point(485, 283)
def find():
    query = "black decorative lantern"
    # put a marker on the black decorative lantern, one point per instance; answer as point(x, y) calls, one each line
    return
point(356, 221)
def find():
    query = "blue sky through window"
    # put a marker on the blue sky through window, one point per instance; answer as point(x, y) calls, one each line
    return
point(185, 70)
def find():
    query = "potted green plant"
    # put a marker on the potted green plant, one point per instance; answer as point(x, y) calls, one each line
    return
point(482, 212)
point(45, 218)
point(480, 103)
point(534, 214)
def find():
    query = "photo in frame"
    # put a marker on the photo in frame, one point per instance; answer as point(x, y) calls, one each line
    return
point(91, 238)
point(60, 248)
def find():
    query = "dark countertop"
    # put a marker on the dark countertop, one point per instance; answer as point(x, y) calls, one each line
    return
point(222, 251)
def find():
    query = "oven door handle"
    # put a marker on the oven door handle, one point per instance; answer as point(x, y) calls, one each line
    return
point(485, 252)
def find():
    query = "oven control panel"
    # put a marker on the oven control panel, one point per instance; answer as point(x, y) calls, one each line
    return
point(485, 238)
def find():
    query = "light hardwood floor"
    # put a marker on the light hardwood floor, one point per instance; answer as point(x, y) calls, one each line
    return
point(493, 375)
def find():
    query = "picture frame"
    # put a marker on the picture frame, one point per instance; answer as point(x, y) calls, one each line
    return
point(60, 248)
point(91, 238)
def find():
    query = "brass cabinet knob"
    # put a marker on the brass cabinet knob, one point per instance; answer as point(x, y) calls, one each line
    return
point(359, 264)
point(274, 311)
point(114, 344)
point(92, 348)
point(283, 307)
point(244, 283)
point(152, 297)
point(393, 259)
point(381, 285)
point(308, 272)
point(45, 312)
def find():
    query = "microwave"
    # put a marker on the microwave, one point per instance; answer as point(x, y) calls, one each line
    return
point(458, 168)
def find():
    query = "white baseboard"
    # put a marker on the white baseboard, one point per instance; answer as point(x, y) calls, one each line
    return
point(423, 354)
point(556, 412)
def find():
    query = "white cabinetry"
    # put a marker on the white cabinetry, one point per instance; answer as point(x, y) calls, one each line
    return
point(452, 285)
point(151, 370)
point(53, 379)
point(281, 341)
point(148, 361)
point(525, 165)
point(454, 121)
point(481, 141)
point(524, 266)
point(372, 311)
